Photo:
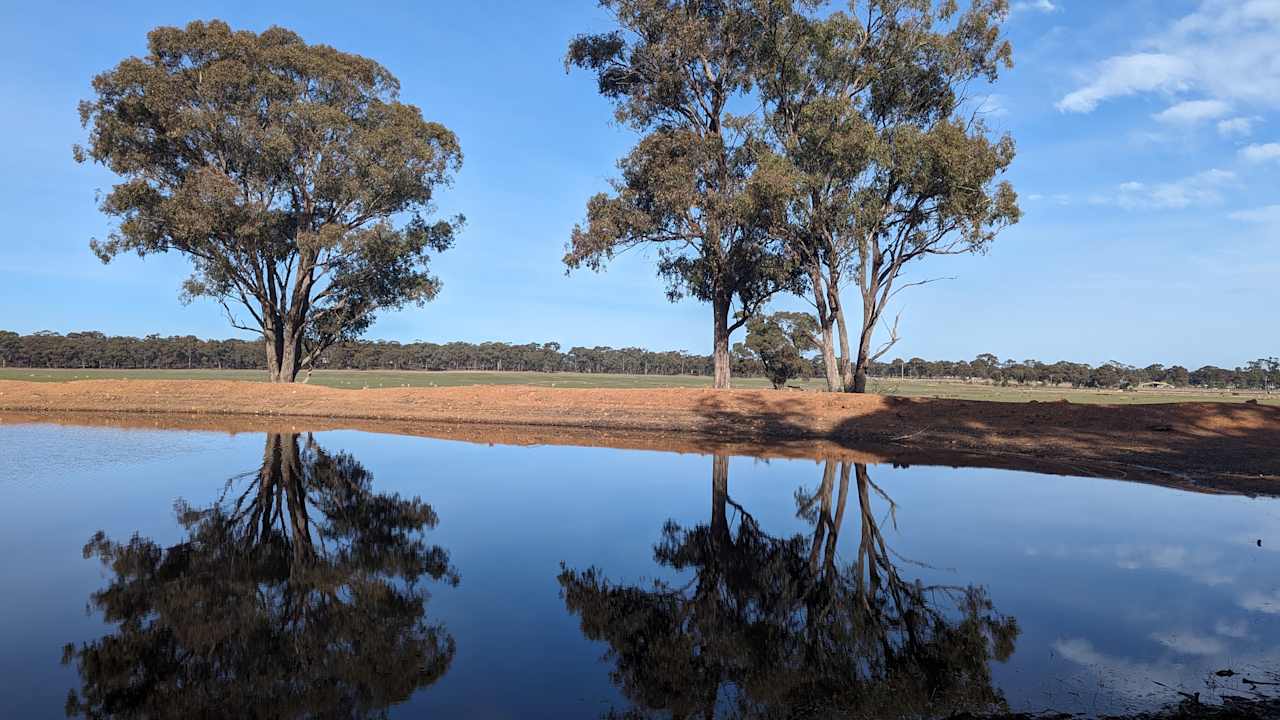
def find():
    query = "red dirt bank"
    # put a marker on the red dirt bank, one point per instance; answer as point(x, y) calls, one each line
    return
point(1189, 443)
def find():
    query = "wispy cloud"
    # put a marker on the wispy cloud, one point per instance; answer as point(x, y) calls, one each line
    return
point(1191, 112)
point(1044, 6)
point(1123, 676)
point(993, 106)
point(1127, 75)
point(1190, 643)
point(1236, 126)
point(1225, 50)
point(1260, 152)
point(1266, 215)
point(1055, 198)
point(1199, 190)
point(1237, 629)
point(1263, 602)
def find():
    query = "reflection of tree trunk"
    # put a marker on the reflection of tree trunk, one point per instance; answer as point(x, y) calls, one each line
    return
point(869, 556)
point(830, 517)
point(281, 487)
point(823, 572)
point(824, 513)
point(882, 575)
point(839, 517)
point(720, 501)
point(258, 524)
point(292, 479)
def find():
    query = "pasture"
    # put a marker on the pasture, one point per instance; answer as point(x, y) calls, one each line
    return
point(907, 387)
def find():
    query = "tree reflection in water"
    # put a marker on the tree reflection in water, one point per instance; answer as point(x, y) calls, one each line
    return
point(296, 595)
point(780, 627)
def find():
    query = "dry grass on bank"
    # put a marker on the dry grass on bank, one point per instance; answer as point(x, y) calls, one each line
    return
point(361, 379)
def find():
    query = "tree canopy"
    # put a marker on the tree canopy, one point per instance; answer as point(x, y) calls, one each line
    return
point(785, 145)
point(772, 626)
point(890, 161)
point(291, 176)
point(298, 594)
point(697, 185)
point(779, 342)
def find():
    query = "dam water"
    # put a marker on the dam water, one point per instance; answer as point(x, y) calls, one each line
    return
point(171, 573)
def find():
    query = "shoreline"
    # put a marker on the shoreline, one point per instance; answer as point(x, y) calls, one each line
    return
point(1200, 446)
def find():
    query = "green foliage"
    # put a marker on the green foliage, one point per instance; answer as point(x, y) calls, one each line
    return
point(712, 246)
point(298, 595)
point(279, 169)
point(763, 626)
point(864, 155)
point(699, 184)
point(93, 354)
point(889, 162)
point(779, 341)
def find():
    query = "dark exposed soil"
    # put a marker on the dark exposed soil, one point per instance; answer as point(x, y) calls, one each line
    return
point(1204, 446)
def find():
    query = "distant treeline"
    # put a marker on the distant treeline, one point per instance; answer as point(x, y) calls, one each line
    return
point(97, 350)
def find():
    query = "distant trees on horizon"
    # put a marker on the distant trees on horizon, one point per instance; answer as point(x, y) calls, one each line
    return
point(96, 350)
point(784, 146)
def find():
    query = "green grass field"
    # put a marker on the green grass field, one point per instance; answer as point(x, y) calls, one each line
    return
point(356, 379)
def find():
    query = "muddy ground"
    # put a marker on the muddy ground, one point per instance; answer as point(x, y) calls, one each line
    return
point(1203, 446)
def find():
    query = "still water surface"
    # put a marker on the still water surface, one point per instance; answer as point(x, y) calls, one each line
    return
point(166, 574)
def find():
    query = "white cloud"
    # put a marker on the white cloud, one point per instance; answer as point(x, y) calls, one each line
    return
point(1127, 678)
point(1191, 112)
point(1196, 190)
point(1129, 74)
point(993, 106)
point(1055, 198)
point(1135, 681)
point(1189, 643)
point(1261, 153)
point(1266, 215)
point(1225, 50)
point(1237, 629)
point(1236, 126)
point(1079, 650)
point(1201, 566)
point(1268, 603)
point(1044, 6)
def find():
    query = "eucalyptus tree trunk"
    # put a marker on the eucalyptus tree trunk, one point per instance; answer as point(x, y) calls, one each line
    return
point(826, 323)
point(284, 351)
point(864, 350)
point(720, 343)
point(829, 363)
point(831, 321)
point(875, 294)
point(846, 363)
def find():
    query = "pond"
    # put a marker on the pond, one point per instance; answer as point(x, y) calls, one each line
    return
point(162, 573)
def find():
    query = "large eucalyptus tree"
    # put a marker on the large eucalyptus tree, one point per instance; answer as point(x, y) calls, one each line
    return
point(890, 162)
point(697, 185)
point(291, 175)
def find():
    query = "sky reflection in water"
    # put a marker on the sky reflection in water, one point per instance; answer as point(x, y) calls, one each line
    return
point(343, 570)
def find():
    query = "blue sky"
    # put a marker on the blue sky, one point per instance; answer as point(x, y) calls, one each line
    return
point(1148, 160)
